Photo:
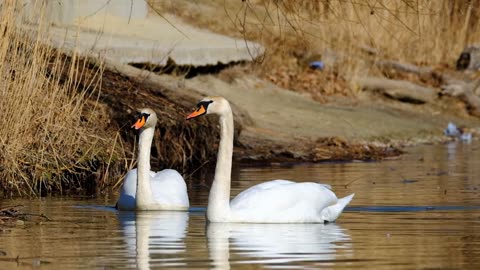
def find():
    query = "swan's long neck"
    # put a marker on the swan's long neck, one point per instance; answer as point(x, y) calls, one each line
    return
point(219, 198)
point(144, 191)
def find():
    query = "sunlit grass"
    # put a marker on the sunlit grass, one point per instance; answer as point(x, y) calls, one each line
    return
point(421, 32)
point(49, 135)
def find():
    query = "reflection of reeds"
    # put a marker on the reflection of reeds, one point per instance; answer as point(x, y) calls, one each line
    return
point(49, 139)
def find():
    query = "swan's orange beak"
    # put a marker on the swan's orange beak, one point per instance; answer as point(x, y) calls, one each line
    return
point(140, 123)
point(201, 110)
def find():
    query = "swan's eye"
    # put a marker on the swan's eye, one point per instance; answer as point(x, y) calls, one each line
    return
point(204, 104)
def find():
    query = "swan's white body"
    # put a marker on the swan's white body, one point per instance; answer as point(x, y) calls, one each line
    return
point(144, 189)
point(167, 187)
point(277, 201)
point(283, 201)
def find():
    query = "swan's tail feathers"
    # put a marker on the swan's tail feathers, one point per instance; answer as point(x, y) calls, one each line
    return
point(345, 200)
point(331, 213)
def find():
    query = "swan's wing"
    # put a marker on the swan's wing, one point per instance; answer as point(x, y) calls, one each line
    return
point(269, 184)
point(327, 186)
point(282, 201)
point(128, 190)
point(278, 182)
point(169, 188)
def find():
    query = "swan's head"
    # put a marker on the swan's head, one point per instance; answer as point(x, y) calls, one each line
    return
point(145, 118)
point(211, 105)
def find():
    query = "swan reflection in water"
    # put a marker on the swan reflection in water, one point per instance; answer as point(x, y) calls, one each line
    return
point(149, 233)
point(158, 238)
point(274, 243)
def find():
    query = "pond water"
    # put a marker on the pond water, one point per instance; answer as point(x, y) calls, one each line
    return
point(420, 211)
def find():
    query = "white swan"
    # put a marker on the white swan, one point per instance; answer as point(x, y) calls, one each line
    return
point(144, 189)
point(277, 201)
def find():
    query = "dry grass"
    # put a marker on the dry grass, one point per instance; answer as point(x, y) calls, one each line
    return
point(53, 132)
point(64, 125)
point(49, 139)
point(422, 32)
point(179, 144)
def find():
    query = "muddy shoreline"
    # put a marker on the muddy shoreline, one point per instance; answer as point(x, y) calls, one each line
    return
point(273, 125)
point(277, 125)
point(127, 89)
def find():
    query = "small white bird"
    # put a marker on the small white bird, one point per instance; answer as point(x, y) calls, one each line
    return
point(453, 131)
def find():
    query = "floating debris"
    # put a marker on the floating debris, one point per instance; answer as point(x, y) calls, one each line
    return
point(7, 214)
point(319, 65)
point(409, 181)
point(12, 216)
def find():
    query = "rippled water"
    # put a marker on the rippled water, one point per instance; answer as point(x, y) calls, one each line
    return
point(421, 211)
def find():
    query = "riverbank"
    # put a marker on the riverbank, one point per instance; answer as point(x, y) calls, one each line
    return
point(74, 136)
point(273, 124)
point(360, 102)
point(278, 124)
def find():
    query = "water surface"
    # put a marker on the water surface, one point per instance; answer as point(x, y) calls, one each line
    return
point(420, 211)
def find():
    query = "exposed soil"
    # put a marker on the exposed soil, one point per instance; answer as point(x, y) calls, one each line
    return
point(196, 140)
point(273, 124)
point(291, 113)
point(178, 144)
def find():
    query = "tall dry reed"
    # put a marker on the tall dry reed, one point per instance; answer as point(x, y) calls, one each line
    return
point(294, 32)
point(49, 140)
point(420, 31)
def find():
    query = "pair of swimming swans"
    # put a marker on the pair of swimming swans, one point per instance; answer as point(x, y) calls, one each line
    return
point(277, 201)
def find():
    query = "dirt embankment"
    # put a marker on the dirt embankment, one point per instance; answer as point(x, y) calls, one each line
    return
point(283, 115)
point(282, 110)
point(178, 144)
point(186, 145)
point(272, 124)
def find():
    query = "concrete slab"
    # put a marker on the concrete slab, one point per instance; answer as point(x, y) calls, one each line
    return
point(112, 32)
point(66, 12)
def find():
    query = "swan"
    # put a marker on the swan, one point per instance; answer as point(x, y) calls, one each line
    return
point(276, 201)
point(143, 189)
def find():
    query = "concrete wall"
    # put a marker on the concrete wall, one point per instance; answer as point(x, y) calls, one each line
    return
point(66, 12)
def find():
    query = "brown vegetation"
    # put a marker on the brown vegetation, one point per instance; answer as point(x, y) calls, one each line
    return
point(64, 123)
point(49, 137)
point(323, 149)
point(178, 144)
point(349, 36)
